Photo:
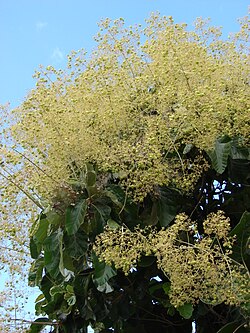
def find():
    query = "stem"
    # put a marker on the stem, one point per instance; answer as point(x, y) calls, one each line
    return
point(21, 189)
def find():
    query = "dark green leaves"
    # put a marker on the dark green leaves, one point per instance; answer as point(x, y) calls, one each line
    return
point(75, 217)
point(102, 274)
point(76, 245)
point(241, 247)
point(226, 147)
point(39, 235)
point(168, 206)
point(53, 252)
point(35, 273)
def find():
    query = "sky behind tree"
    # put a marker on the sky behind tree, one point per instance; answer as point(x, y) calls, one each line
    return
point(34, 32)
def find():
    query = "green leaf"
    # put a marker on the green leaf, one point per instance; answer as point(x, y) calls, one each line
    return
point(168, 206)
point(239, 171)
point(53, 252)
point(116, 195)
point(219, 156)
point(101, 214)
point(166, 287)
point(75, 217)
point(39, 324)
point(186, 310)
point(76, 245)
point(35, 272)
point(90, 178)
point(39, 235)
point(112, 224)
point(240, 153)
point(103, 273)
point(53, 217)
point(242, 231)
point(41, 232)
point(35, 249)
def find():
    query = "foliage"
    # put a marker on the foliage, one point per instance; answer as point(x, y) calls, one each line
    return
point(136, 161)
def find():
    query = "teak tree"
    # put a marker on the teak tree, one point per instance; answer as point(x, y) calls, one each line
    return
point(136, 161)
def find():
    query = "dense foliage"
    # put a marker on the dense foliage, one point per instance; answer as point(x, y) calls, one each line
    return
point(136, 161)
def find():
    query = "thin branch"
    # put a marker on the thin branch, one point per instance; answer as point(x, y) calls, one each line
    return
point(21, 189)
point(25, 321)
point(10, 249)
point(35, 165)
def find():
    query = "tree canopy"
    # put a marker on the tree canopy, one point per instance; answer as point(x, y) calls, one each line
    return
point(128, 175)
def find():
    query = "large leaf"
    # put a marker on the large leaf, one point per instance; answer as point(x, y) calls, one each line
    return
point(240, 153)
point(239, 171)
point(35, 272)
point(39, 236)
point(168, 206)
point(102, 274)
point(53, 252)
point(76, 245)
point(219, 156)
point(116, 194)
point(242, 232)
point(100, 215)
point(75, 217)
point(41, 232)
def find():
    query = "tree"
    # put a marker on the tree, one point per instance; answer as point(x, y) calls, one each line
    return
point(136, 161)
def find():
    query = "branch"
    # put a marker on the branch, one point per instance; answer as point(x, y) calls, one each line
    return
point(25, 321)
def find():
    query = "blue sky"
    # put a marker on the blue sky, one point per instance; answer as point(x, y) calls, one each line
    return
point(34, 32)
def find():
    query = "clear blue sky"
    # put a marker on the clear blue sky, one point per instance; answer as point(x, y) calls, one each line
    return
point(34, 32)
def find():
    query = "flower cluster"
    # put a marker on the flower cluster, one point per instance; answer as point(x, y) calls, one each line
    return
point(122, 247)
point(198, 269)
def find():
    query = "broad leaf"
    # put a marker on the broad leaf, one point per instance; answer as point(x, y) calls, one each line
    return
point(53, 252)
point(41, 232)
point(116, 194)
point(240, 153)
point(39, 236)
point(75, 217)
point(239, 171)
point(168, 206)
point(242, 232)
point(102, 274)
point(219, 156)
point(35, 272)
point(186, 310)
point(76, 245)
